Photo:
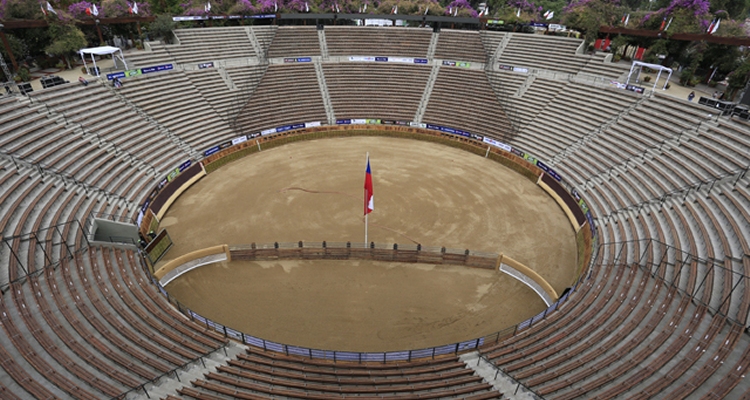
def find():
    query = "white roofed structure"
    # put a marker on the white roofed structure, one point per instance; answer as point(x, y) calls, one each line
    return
point(102, 51)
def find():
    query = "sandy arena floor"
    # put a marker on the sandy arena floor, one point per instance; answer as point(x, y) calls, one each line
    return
point(425, 193)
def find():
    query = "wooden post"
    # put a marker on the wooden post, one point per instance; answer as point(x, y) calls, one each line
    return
point(99, 31)
point(10, 53)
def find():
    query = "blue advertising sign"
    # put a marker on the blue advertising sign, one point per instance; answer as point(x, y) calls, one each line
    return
point(420, 61)
point(157, 68)
point(210, 151)
point(343, 121)
point(381, 59)
point(115, 75)
point(185, 165)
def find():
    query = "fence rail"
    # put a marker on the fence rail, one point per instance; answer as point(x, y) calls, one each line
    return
point(274, 249)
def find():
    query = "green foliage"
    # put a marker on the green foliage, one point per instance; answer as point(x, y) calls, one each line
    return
point(591, 15)
point(162, 27)
point(22, 9)
point(16, 47)
point(23, 75)
point(67, 39)
point(739, 77)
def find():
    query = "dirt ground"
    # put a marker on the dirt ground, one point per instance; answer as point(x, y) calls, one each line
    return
point(423, 193)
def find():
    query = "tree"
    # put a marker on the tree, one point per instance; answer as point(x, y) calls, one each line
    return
point(162, 27)
point(66, 40)
point(590, 15)
point(738, 78)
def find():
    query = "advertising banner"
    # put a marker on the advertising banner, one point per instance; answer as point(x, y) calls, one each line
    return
point(544, 167)
point(205, 65)
point(210, 151)
point(298, 60)
point(185, 165)
point(497, 144)
point(239, 140)
point(312, 124)
point(157, 68)
point(115, 75)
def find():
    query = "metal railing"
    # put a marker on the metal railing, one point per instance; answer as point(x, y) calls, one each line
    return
point(334, 355)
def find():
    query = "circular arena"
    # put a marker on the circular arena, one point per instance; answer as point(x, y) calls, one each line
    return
point(653, 190)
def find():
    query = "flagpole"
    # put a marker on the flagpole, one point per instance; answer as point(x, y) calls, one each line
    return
point(366, 213)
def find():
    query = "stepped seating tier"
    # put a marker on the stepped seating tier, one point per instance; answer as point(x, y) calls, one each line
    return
point(488, 115)
point(365, 90)
point(372, 41)
point(295, 41)
point(273, 104)
point(460, 46)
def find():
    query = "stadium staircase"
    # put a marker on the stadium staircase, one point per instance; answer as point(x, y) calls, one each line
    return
point(571, 149)
point(427, 92)
point(159, 127)
point(499, 51)
point(324, 91)
point(323, 44)
point(93, 137)
point(256, 44)
point(433, 45)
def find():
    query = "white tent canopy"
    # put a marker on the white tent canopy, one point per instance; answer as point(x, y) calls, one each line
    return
point(640, 66)
point(101, 51)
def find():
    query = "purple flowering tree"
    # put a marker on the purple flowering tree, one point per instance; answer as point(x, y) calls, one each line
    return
point(243, 7)
point(590, 15)
point(464, 9)
point(686, 16)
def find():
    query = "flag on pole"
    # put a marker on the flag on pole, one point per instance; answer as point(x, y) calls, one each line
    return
point(663, 23)
point(518, 13)
point(43, 10)
point(427, 10)
point(715, 27)
point(50, 9)
point(364, 9)
point(94, 10)
point(546, 14)
point(135, 8)
point(307, 7)
point(551, 15)
point(368, 189)
point(668, 23)
point(711, 27)
point(627, 19)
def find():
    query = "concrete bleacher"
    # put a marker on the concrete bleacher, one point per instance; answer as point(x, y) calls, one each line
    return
point(480, 110)
point(274, 103)
point(460, 45)
point(661, 315)
point(551, 53)
point(295, 41)
point(373, 41)
point(174, 102)
point(115, 122)
point(266, 374)
point(371, 90)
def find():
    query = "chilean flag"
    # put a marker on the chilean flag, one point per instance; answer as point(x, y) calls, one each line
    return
point(368, 189)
